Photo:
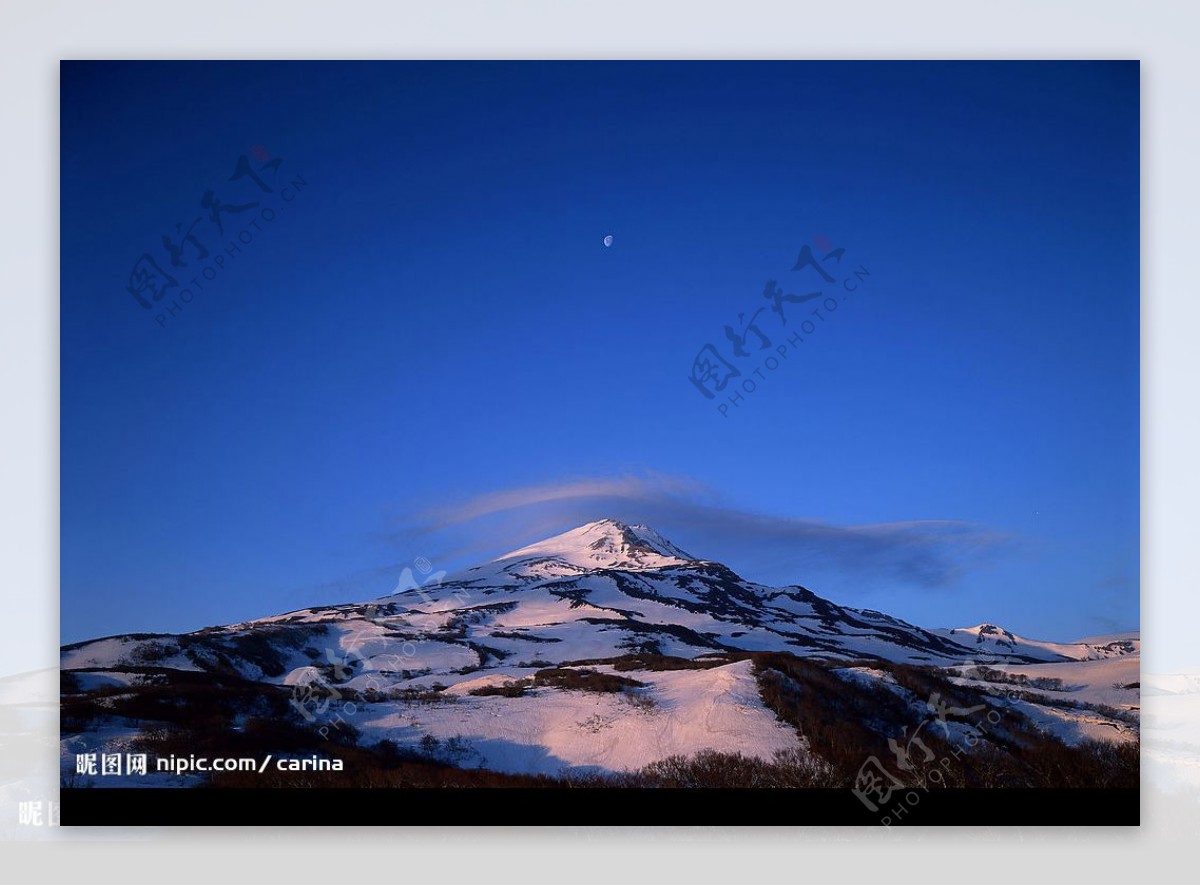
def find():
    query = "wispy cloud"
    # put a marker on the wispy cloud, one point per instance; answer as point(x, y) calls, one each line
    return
point(644, 488)
point(928, 554)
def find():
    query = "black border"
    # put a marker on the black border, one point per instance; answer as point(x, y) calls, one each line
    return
point(533, 807)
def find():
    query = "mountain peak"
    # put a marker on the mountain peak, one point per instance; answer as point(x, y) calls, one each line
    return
point(607, 544)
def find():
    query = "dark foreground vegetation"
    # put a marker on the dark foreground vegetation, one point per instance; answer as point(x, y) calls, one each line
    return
point(968, 737)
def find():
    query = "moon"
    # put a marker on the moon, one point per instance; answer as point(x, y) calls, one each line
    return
point(608, 239)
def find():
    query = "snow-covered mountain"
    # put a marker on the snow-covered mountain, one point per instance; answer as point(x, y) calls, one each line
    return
point(607, 544)
point(605, 648)
point(991, 640)
point(607, 588)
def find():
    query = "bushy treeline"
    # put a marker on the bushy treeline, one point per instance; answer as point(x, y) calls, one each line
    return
point(847, 722)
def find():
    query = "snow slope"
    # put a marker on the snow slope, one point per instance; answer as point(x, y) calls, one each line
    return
point(554, 731)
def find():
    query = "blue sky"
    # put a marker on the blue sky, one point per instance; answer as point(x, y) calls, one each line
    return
point(428, 351)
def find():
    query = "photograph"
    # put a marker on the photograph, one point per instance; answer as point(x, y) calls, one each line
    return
point(605, 442)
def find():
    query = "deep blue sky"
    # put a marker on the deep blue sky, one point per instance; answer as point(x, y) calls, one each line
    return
point(434, 318)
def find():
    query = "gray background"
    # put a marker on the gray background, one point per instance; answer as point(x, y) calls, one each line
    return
point(35, 34)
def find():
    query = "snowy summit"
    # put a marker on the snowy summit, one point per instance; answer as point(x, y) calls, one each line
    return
point(606, 544)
